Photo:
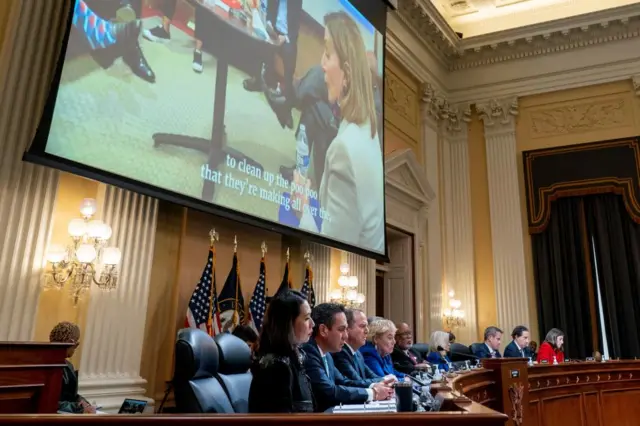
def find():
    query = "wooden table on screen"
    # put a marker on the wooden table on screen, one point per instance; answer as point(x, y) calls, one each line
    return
point(226, 28)
point(31, 376)
point(569, 394)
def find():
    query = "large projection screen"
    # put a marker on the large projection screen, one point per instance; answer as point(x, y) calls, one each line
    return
point(266, 111)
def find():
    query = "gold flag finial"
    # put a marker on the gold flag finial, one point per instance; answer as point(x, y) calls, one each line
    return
point(287, 254)
point(235, 243)
point(307, 256)
point(263, 247)
point(213, 236)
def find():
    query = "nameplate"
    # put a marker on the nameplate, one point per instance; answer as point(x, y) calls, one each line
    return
point(515, 374)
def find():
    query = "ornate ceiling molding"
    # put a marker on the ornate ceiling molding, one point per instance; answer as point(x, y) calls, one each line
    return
point(606, 26)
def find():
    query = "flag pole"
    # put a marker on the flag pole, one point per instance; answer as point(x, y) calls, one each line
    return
point(236, 317)
point(264, 249)
point(213, 237)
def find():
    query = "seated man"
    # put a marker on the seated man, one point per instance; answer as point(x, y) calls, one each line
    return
point(330, 387)
point(488, 349)
point(519, 346)
point(405, 359)
point(349, 360)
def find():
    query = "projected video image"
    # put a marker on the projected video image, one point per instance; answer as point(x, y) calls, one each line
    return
point(272, 108)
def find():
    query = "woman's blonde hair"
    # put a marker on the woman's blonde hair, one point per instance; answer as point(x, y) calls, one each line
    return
point(438, 338)
point(552, 337)
point(357, 104)
point(65, 332)
point(379, 327)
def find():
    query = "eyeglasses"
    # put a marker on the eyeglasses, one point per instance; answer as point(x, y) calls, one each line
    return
point(405, 334)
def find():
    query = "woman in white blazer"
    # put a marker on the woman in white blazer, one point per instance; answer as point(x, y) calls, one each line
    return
point(351, 191)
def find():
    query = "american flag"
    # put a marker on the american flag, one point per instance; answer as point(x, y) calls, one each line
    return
point(307, 288)
point(205, 297)
point(258, 304)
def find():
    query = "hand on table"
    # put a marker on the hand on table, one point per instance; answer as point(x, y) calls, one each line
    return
point(381, 392)
point(389, 379)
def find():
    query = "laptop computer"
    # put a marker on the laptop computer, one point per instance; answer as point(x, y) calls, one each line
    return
point(132, 406)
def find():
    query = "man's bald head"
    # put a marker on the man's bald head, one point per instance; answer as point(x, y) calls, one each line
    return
point(404, 336)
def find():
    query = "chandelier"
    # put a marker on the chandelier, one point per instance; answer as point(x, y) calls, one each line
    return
point(453, 316)
point(87, 259)
point(347, 294)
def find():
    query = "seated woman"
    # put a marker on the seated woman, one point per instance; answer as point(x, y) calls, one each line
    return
point(438, 347)
point(280, 384)
point(551, 348)
point(377, 351)
point(70, 401)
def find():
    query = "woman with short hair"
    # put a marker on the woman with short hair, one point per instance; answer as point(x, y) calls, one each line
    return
point(377, 351)
point(70, 401)
point(438, 347)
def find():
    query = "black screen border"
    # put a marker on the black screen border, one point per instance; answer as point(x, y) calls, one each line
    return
point(374, 11)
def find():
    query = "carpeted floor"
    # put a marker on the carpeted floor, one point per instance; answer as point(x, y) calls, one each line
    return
point(106, 119)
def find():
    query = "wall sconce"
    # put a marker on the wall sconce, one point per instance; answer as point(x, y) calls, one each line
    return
point(347, 294)
point(85, 258)
point(453, 316)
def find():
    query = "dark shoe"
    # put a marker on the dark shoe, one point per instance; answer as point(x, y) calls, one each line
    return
point(287, 172)
point(281, 107)
point(252, 85)
point(157, 34)
point(197, 61)
point(135, 59)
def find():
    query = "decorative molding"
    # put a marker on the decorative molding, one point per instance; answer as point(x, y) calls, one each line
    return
point(399, 97)
point(408, 195)
point(114, 335)
point(577, 118)
point(516, 395)
point(436, 107)
point(458, 232)
point(498, 115)
point(27, 191)
point(636, 84)
point(507, 239)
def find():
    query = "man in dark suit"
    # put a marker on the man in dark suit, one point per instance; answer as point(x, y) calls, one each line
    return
point(330, 387)
point(489, 349)
point(519, 346)
point(349, 360)
point(405, 359)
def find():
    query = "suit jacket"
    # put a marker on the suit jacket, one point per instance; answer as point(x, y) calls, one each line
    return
point(435, 358)
point(403, 362)
point(512, 351)
point(379, 365)
point(481, 350)
point(294, 13)
point(332, 389)
point(351, 365)
point(352, 189)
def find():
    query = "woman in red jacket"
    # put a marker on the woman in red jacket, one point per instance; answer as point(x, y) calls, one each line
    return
point(552, 347)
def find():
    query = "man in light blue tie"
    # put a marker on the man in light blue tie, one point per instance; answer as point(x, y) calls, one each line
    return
point(349, 360)
point(330, 387)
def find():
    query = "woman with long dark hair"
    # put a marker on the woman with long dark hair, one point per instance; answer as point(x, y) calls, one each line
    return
point(280, 384)
point(552, 348)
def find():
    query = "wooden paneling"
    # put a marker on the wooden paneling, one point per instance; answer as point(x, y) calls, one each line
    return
point(31, 377)
point(576, 394)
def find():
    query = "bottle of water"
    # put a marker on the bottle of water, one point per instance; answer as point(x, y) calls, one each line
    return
point(555, 360)
point(302, 151)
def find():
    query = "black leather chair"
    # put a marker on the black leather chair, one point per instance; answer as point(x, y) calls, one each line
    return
point(233, 371)
point(459, 352)
point(196, 386)
point(421, 348)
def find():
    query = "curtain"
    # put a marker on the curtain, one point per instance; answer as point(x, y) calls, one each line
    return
point(617, 248)
point(561, 276)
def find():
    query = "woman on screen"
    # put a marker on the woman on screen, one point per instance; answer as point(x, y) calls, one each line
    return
point(351, 191)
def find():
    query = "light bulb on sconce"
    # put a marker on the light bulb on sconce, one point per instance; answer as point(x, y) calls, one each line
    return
point(347, 294)
point(453, 316)
point(86, 259)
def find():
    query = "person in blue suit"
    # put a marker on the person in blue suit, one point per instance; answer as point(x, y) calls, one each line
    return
point(519, 346)
point(377, 351)
point(330, 387)
point(492, 340)
point(349, 361)
point(438, 347)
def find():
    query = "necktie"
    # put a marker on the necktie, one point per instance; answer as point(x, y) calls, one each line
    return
point(358, 361)
point(326, 365)
point(412, 358)
point(493, 354)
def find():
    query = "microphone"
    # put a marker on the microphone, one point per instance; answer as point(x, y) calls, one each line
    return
point(465, 354)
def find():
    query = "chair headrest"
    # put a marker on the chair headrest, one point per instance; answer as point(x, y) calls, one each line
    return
point(196, 355)
point(235, 354)
point(460, 348)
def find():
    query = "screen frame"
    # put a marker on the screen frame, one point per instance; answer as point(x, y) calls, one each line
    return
point(36, 153)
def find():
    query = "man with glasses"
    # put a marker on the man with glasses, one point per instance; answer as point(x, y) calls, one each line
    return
point(405, 358)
